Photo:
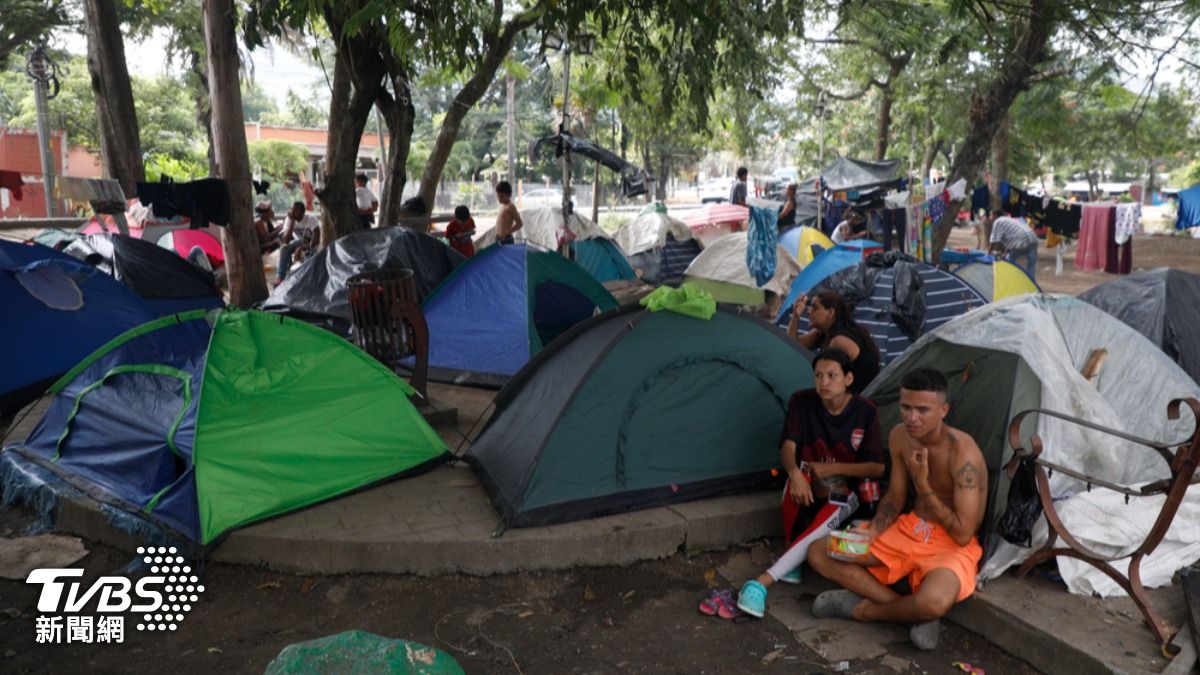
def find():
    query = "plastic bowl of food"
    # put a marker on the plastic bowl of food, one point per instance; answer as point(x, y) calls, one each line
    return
point(849, 546)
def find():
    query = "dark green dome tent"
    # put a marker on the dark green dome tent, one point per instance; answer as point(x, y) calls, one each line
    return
point(633, 409)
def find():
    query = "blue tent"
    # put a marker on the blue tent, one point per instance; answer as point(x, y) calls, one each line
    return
point(1189, 208)
point(501, 307)
point(602, 259)
point(946, 296)
point(845, 254)
point(56, 310)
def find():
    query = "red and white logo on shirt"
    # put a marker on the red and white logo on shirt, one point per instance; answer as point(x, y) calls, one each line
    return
point(856, 437)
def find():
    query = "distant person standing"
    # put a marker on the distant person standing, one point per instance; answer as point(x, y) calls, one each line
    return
point(787, 212)
point(737, 194)
point(1013, 239)
point(365, 201)
point(460, 230)
point(508, 220)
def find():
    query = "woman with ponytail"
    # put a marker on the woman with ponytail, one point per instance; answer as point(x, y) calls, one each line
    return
point(832, 324)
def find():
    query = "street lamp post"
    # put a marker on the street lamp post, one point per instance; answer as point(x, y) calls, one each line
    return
point(42, 71)
point(583, 43)
point(821, 155)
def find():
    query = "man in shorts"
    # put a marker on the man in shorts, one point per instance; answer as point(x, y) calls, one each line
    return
point(934, 546)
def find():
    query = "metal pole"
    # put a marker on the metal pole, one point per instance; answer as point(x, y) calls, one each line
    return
point(562, 128)
point(43, 128)
point(512, 129)
point(383, 175)
point(821, 156)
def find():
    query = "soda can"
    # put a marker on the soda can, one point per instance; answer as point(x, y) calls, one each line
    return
point(868, 490)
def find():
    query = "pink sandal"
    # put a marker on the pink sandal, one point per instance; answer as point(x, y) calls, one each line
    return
point(721, 603)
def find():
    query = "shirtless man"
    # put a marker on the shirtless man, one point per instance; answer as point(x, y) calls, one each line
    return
point(508, 220)
point(935, 545)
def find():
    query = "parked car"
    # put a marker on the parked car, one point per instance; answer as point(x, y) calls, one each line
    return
point(540, 197)
point(715, 190)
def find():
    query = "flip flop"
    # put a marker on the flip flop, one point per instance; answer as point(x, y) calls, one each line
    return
point(710, 606)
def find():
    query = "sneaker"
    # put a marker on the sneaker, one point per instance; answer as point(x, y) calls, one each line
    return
point(792, 576)
point(753, 599)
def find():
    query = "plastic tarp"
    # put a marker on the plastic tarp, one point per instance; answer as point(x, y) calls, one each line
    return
point(319, 285)
point(1053, 335)
point(207, 421)
point(649, 231)
point(829, 261)
point(634, 180)
point(183, 241)
point(688, 300)
point(39, 343)
point(361, 652)
point(154, 273)
point(634, 409)
point(1188, 215)
point(541, 227)
point(725, 260)
point(846, 174)
point(1163, 305)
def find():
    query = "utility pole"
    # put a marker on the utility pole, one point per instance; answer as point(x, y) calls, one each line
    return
point(512, 129)
point(383, 173)
point(41, 70)
point(821, 156)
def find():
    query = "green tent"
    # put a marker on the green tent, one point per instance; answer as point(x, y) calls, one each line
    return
point(205, 421)
point(633, 409)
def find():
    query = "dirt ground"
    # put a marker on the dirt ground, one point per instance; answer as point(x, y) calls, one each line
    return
point(637, 619)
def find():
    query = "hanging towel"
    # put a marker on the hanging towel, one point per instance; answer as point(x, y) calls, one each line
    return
point(12, 181)
point(204, 201)
point(1094, 236)
point(761, 238)
point(1129, 217)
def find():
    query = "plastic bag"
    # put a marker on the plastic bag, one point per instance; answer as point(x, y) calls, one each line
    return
point(1024, 506)
point(362, 652)
point(688, 300)
point(908, 300)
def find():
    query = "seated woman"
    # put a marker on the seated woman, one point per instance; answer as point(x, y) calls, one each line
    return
point(264, 227)
point(830, 440)
point(832, 325)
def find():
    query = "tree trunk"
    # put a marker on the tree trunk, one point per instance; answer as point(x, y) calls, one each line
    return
point(499, 46)
point(999, 173)
point(662, 176)
point(357, 80)
point(399, 113)
point(885, 124)
point(247, 283)
point(646, 162)
point(596, 193)
point(1148, 191)
point(120, 146)
point(989, 107)
point(932, 147)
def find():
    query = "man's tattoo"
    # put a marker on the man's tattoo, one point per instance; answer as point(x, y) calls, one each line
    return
point(968, 477)
point(884, 517)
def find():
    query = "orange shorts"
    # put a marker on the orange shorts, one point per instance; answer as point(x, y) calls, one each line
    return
point(915, 547)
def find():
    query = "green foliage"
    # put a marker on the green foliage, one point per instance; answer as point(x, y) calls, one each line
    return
point(25, 23)
point(159, 165)
point(1187, 176)
point(256, 102)
point(276, 159)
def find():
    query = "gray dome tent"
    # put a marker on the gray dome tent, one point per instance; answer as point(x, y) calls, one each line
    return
point(633, 409)
point(1162, 304)
point(318, 286)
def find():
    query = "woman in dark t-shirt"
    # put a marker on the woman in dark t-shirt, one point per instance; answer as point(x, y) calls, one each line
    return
point(833, 325)
point(831, 440)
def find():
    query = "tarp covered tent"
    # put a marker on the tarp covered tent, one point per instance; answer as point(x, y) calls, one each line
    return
point(205, 421)
point(501, 307)
point(846, 174)
point(593, 248)
point(710, 222)
point(893, 317)
point(996, 279)
point(183, 241)
point(167, 282)
point(54, 311)
point(659, 246)
point(318, 286)
point(799, 242)
point(634, 409)
point(634, 180)
point(721, 270)
point(1163, 305)
point(831, 260)
point(1188, 215)
point(1027, 352)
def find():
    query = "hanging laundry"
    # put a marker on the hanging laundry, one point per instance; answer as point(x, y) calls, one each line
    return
point(204, 201)
point(1129, 218)
point(761, 239)
point(261, 186)
point(12, 181)
point(104, 195)
point(1064, 218)
point(1053, 240)
point(1119, 258)
point(1095, 235)
point(979, 200)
